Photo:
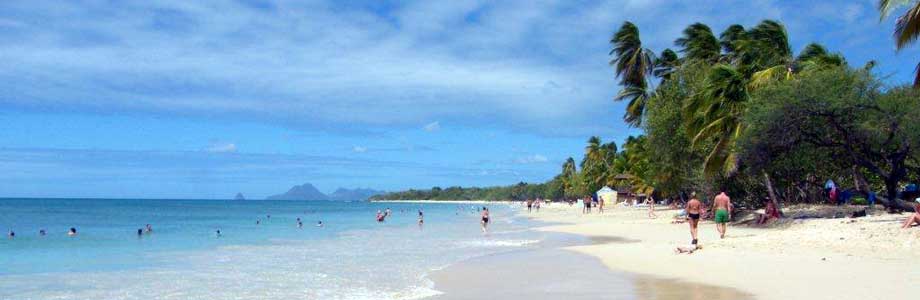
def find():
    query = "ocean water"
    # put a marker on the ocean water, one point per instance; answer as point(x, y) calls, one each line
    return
point(351, 257)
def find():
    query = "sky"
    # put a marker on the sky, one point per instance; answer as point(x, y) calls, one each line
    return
point(204, 99)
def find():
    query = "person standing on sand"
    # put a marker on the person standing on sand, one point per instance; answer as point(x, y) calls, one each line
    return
point(722, 208)
point(651, 207)
point(600, 204)
point(587, 203)
point(485, 220)
point(693, 216)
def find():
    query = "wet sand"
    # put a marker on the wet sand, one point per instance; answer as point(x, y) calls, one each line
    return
point(551, 272)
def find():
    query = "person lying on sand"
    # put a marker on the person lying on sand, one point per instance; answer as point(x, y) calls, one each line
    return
point(914, 217)
point(687, 249)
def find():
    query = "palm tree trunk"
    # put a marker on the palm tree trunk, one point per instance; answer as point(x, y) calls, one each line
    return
point(773, 198)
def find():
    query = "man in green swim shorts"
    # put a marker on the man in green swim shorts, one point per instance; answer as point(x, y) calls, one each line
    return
point(722, 206)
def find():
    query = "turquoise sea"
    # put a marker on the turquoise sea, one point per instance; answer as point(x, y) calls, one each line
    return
point(351, 257)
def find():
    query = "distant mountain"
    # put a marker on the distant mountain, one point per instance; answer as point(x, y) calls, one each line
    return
point(307, 191)
point(304, 191)
point(239, 196)
point(353, 194)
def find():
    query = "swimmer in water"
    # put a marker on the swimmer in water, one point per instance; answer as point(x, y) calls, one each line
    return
point(42, 232)
point(140, 232)
point(12, 234)
point(218, 232)
point(258, 221)
point(319, 224)
point(148, 229)
point(299, 224)
point(72, 231)
point(421, 218)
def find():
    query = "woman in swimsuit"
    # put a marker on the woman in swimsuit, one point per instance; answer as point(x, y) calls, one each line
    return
point(694, 207)
point(485, 219)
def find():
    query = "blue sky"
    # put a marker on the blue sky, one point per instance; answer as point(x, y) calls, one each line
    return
point(203, 99)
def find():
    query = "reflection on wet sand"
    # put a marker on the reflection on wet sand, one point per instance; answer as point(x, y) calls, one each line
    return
point(550, 272)
point(649, 288)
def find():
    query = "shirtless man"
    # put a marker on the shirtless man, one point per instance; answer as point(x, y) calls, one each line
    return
point(693, 215)
point(722, 211)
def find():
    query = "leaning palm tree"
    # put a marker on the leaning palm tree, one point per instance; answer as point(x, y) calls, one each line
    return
point(699, 44)
point(632, 64)
point(716, 114)
point(729, 41)
point(907, 28)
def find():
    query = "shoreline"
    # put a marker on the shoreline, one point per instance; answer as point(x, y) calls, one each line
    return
point(804, 259)
point(443, 201)
point(551, 270)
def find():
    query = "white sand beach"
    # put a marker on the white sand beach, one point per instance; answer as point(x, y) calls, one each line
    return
point(843, 258)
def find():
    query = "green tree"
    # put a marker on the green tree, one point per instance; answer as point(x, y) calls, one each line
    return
point(848, 113)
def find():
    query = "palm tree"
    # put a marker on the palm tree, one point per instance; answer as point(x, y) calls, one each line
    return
point(729, 39)
point(636, 155)
point(907, 27)
point(632, 64)
point(666, 64)
point(593, 153)
point(699, 44)
point(568, 176)
point(755, 57)
point(716, 115)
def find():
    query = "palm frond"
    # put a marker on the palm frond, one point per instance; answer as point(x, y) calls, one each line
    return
point(729, 39)
point(907, 27)
point(698, 43)
point(716, 159)
point(766, 76)
point(917, 76)
point(886, 6)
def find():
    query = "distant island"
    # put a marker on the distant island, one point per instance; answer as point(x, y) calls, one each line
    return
point(307, 191)
point(239, 196)
point(521, 191)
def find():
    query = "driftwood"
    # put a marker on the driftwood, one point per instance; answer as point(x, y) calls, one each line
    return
point(896, 205)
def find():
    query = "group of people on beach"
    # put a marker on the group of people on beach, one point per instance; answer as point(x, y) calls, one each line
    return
point(533, 204)
point(721, 209)
point(592, 201)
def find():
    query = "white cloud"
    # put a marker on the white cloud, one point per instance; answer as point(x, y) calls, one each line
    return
point(433, 126)
point(533, 66)
point(221, 148)
point(531, 159)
